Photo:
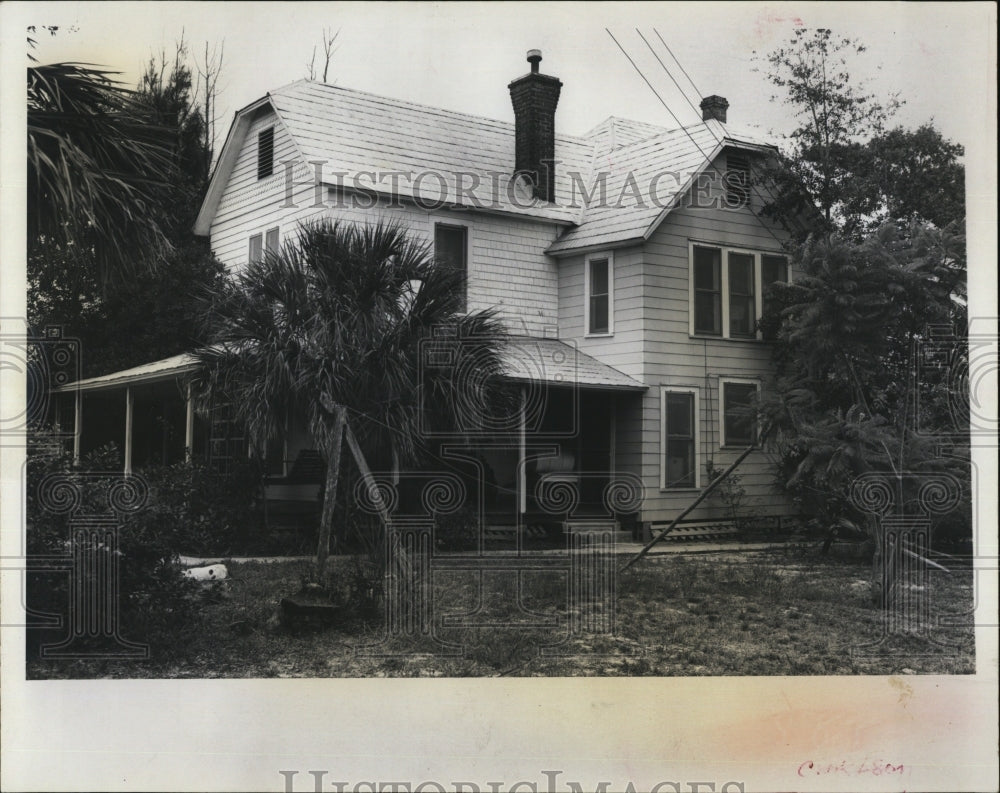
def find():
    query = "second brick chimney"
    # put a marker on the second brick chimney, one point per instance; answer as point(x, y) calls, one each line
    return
point(535, 97)
point(714, 107)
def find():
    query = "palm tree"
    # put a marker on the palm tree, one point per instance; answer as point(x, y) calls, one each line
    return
point(332, 327)
point(98, 167)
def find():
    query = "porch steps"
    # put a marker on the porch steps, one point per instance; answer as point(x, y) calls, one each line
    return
point(697, 531)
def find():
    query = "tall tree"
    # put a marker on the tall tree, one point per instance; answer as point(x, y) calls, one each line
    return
point(331, 327)
point(130, 312)
point(98, 169)
point(843, 168)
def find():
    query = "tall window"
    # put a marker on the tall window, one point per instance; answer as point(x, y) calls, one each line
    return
point(271, 240)
point(256, 248)
point(707, 290)
point(598, 287)
point(679, 467)
point(451, 245)
point(739, 413)
point(265, 153)
point(773, 269)
point(727, 287)
point(742, 304)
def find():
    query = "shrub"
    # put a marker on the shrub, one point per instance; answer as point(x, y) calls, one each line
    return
point(153, 598)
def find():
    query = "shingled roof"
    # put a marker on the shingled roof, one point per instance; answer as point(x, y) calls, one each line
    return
point(362, 132)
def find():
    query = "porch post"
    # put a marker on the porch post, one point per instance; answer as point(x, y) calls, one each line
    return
point(522, 474)
point(614, 433)
point(129, 408)
point(188, 426)
point(77, 424)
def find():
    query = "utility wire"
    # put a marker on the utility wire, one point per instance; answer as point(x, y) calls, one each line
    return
point(750, 185)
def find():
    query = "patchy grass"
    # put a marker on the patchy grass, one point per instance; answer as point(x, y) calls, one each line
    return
point(781, 613)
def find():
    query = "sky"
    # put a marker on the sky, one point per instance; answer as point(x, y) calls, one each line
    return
point(461, 56)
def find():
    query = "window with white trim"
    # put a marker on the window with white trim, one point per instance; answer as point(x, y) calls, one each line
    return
point(598, 288)
point(727, 289)
point(738, 408)
point(680, 456)
point(451, 247)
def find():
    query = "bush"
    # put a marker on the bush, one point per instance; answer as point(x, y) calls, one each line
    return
point(153, 598)
point(203, 513)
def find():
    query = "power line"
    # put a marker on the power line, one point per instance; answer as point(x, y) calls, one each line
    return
point(718, 140)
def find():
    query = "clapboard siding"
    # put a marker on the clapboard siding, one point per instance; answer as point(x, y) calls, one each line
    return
point(624, 349)
point(250, 206)
point(673, 358)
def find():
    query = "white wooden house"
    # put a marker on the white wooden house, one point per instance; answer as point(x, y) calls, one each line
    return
point(629, 263)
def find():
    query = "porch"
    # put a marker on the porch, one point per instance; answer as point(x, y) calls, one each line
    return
point(553, 460)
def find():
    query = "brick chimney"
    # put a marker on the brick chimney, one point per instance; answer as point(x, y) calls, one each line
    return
point(535, 97)
point(714, 107)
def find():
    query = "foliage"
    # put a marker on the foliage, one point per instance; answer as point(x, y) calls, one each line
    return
point(730, 492)
point(843, 168)
point(850, 329)
point(133, 321)
point(98, 168)
point(205, 513)
point(125, 316)
point(335, 324)
point(154, 600)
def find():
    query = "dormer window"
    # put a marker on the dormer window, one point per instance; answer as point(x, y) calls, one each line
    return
point(265, 153)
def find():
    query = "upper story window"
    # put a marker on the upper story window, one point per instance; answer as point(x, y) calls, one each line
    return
point(599, 295)
point(265, 153)
point(738, 404)
point(773, 270)
point(727, 289)
point(737, 180)
point(451, 247)
point(679, 438)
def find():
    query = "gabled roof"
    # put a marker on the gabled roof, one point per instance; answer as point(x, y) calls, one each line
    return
point(353, 132)
point(645, 179)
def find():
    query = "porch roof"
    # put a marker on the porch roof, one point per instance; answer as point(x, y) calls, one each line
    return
point(525, 359)
point(530, 359)
point(165, 369)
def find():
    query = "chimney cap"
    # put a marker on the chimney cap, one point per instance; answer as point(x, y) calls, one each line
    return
point(534, 58)
point(714, 106)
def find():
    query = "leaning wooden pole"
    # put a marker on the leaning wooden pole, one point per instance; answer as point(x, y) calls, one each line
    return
point(330, 491)
point(701, 497)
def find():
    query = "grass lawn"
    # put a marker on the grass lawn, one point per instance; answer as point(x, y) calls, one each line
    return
point(788, 612)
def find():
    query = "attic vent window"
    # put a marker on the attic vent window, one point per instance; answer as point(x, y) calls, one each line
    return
point(737, 180)
point(265, 153)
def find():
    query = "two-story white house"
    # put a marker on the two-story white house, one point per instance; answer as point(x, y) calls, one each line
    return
point(629, 264)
